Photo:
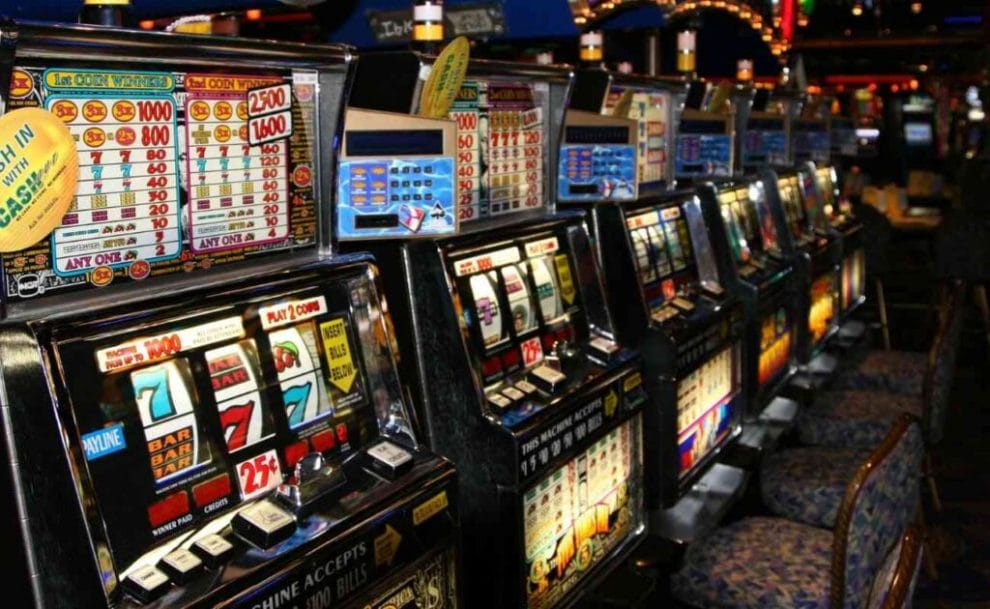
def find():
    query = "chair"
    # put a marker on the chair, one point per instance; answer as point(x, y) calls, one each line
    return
point(894, 586)
point(861, 417)
point(772, 563)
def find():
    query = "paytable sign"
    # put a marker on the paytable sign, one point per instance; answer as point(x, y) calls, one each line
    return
point(500, 147)
point(227, 172)
point(169, 180)
point(127, 201)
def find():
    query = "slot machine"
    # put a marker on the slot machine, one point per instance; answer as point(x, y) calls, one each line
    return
point(818, 253)
point(518, 376)
point(841, 218)
point(665, 285)
point(201, 406)
point(763, 272)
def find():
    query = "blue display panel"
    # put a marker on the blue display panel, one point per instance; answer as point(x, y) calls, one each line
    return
point(703, 155)
point(811, 142)
point(764, 147)
point(597, 172)
point(380, 198)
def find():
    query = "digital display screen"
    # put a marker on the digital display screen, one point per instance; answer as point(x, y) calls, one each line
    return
point(596, 135)
point(813, 208)
point(821, 316)
point(394, 143)
point(741, 224)
point(853, 278)
point(704, 409)
point(766, 124)
point(195, 412)
point(580, 512)
point(790, 198)
point(517, 299)
point(179, 172)
point(702, 126)
point(826, 184)
point(776, 340)
point(918, 134)
point(651, 111)
point(502, 139)
point(667, 252)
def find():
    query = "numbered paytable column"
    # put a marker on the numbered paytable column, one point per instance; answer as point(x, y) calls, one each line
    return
point(126, 206)
point(468, 164)
point(238, 193)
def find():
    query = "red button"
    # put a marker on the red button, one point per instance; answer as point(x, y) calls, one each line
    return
point(294, 452)
point(491, 366)
point(324, 441)
point(215, 488)
point(548, 342)
point(510, 358)
point(342, 433)
point(168, 509)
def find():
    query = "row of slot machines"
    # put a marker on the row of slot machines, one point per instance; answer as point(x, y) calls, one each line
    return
point(296, 346)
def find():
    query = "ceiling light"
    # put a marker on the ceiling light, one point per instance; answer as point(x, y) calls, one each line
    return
point(857, 9)
point(917, 7)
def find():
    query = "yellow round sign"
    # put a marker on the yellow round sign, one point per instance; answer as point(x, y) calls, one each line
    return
point(445, 79)
point(39, 168)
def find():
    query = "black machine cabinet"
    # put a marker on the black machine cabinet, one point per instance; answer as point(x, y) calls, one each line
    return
point(225, 447)
point(518, 377)
point(200, 408)
point(522, 384)
point(664, 282)
point(763, 277)
point(842, 219)
point(818, 254)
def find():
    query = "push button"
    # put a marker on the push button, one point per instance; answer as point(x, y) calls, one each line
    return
point(547, 379)
point(213, 550)
point(499, 401)
point(603, 349)
point(181, 565)
point(683, 304)
point(513, 394)
point(389, 459)
point(526, 387)
point(264, 524)
point(146, 584)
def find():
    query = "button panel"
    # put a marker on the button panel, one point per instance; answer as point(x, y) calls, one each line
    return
point(597, 172)
point(396, 197)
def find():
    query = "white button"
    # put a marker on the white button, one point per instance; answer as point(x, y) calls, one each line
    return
point(148, 578)
point(513, 394)
point(182, 560)
point(389, 454)
point(526, 387)
point(267, 517)
point(214, 545)
point(549, 375)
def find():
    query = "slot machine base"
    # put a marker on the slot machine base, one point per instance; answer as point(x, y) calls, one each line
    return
point(764, 433)
point(623, 588)
point(850, 333)
point(823, 364)
point(703, 507)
